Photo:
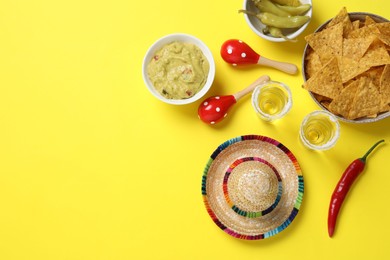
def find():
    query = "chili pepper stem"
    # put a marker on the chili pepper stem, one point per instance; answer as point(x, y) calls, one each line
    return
point(247, 12)
point(364, 158)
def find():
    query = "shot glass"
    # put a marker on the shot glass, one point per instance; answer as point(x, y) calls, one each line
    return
point(272, 100)
point(319, 130)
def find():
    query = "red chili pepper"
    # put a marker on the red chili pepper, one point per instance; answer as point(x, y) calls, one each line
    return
point(343, 186)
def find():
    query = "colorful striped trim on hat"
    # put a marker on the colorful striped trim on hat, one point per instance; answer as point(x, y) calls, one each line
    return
point(298, 201)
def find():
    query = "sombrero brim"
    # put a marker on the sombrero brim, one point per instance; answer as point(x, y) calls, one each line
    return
point(275, 154)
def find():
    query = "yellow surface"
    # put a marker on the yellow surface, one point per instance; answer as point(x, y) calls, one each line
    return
point(92, 166)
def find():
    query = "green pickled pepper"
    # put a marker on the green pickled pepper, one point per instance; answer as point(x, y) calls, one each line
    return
point(267, 6)
point(282, 22)
point(298, 10)
point(288, 2)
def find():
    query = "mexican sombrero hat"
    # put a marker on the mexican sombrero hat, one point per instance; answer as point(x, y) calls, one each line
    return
point(252, 187)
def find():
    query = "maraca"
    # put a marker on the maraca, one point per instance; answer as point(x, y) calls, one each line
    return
point(213, 109)
point(237, 52)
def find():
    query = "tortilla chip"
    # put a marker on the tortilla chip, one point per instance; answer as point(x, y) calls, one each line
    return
point(385, 39)
point(367, 100)
point(384, 28)
point(321, 99)
point(313, 64)
point(376, 55)
point(327, 43)
point(347, 27)
point(355, 25)
point(385, 108)
point(365, 31)
point(384, 86)
point(325, 103)
point(342, 104)
point(369, 21)
point(350, 68)
point(339, 18)
point(374, 74)
point(355, 48)
point(327, 81)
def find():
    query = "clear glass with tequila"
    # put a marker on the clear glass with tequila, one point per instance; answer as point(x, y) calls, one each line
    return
point(272, 100)
point(319, 130)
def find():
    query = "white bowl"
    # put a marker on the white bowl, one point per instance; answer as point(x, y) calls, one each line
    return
point(257, 27)
point(180, 37)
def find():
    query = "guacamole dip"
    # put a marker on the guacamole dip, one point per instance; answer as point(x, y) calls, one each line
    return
point(179, 70)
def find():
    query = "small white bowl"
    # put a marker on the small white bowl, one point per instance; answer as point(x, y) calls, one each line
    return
point(257, 27)
point(180, 37)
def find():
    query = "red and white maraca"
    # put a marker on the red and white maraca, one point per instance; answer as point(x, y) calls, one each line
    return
point(237, 52)
point(214, 109)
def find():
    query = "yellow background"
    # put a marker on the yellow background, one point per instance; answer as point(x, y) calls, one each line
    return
point(92, 166)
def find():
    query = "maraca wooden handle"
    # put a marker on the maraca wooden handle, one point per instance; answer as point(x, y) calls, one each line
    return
point(251, 87)
point(283, 66)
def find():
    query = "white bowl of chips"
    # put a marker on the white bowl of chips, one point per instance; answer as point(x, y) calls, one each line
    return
point(250, 7)
point(346, 66)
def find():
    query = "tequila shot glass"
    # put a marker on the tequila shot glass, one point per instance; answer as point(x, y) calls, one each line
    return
point(319, 130)
point(272, 100)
